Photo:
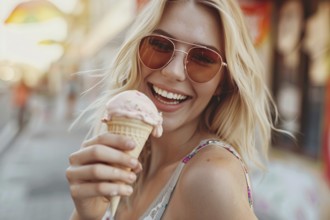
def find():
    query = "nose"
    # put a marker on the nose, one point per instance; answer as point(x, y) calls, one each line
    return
point(175, 69)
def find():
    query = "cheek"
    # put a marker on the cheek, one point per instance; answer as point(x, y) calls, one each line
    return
point(209, 89)
point(205, 94)
point(144, 71)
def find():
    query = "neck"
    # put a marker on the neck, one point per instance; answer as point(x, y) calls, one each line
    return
point(173, 146)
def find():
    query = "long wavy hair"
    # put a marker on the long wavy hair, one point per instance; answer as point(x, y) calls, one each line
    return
point(244, 114)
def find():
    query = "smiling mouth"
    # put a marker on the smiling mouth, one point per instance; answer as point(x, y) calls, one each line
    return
point(167, 97)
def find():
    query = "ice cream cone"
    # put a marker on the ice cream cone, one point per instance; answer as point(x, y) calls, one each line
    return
point(133, 114)
point(138, 131)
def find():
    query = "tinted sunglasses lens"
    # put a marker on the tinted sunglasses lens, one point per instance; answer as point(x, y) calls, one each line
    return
point(202, 64)
point(155, 51)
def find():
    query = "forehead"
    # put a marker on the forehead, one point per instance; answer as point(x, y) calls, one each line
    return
point(192, 22)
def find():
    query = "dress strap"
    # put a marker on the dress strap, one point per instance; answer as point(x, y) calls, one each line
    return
point(231, 150)
point(157, 208)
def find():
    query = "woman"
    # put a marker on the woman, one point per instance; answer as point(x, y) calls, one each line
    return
point(195, 61)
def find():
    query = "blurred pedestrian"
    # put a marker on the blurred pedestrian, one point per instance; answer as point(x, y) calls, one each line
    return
point(21, 95)
point(72, 94)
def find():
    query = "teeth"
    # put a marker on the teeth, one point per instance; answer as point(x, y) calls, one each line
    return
point(169, 95)
point(169, 103)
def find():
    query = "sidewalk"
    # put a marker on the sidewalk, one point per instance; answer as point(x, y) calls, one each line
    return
point(7, 134)
point(8, 124)
point(32, 172)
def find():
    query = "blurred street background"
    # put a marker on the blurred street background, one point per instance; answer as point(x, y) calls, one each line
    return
point(52, 51)
point(32, 167)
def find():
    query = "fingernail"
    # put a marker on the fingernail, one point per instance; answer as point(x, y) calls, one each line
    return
point(129, 190)
point(132, 176)
point(140, 168)
point(130, 144)
point(133, 162)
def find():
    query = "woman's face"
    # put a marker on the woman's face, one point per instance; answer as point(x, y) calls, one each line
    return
point(193, 23)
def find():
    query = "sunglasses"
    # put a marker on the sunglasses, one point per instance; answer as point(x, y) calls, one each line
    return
point(201, 63)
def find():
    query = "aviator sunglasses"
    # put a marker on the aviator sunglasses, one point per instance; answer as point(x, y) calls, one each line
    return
point(201, 63)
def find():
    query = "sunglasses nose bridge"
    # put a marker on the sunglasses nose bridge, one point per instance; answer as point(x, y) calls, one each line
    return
point(181, 51)
point(175, 70)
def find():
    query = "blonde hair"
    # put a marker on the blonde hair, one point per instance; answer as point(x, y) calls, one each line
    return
point(245, 106)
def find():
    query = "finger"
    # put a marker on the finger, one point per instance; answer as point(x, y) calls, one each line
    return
point(138, 168)
point(102, 154)
point(99, 172)
point(106, 189)
point(116, 141)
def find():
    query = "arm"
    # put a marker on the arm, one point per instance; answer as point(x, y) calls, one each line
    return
point(214, 187)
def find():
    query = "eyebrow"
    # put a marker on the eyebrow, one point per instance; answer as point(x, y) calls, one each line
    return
point(162, 32)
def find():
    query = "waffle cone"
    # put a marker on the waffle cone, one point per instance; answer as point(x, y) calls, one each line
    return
point(138, 131)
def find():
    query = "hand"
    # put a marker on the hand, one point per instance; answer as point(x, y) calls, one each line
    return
point(99, 170)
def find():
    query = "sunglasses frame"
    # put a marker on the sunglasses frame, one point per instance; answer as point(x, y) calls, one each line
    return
point(194, 46)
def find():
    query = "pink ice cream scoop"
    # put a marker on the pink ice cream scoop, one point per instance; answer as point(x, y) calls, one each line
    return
point(132, 104)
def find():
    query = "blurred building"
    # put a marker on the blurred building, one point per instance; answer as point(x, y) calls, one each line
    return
point(293, 39)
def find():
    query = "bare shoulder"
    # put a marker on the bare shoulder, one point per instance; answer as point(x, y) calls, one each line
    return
point(213, 186)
